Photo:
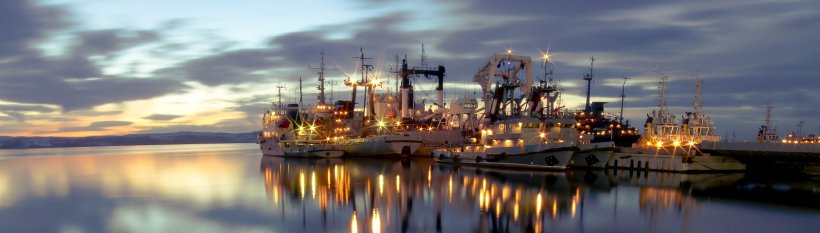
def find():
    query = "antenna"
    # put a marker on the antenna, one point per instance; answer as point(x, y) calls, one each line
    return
point(321, 73)
point(623, 96)
point(588, 78)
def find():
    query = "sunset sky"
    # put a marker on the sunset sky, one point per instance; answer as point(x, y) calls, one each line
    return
point(103, 67)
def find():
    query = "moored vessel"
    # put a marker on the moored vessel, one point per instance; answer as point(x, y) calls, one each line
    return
point(671, 146)
point(525, 132)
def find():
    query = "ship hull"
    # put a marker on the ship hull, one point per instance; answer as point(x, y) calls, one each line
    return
point(552, 159)
point(593, 156)
point(270, 147)
point(318, 151)
point(437, 139)
point(274, 148)
point(676, 163)
point(385, 145)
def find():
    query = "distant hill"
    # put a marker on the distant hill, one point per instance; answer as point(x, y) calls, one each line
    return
point(7, 142)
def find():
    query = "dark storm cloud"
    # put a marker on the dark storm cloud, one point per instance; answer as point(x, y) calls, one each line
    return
point(94, 126)
point(162, 117)
point(71, 81)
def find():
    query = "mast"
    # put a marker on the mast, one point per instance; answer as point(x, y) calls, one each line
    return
point(698, 109)
point(548, 68)
point(623, 95)
point(332, 83)
point(368, 89)
point(548, 72)
point(423, 58)
point(768, 116)
point(396, 70)
point(662, 93)
point(300, 92)
point(800, 128)
point(588, 78)
point(279, 94)
point(321, 73)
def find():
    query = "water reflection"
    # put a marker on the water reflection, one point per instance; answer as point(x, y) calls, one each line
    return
point(231, 188)
point(430, 197)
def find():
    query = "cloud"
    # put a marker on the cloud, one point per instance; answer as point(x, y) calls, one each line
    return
point(19, 117)
point(748, 52)
point(224, 126)
point(26, 108)
point(17, 112)
point(23, 23)
point(71, 80)
point(94, 126)
point(230, 67)
point(111, 40)
point(43, 87)
point(162, 117)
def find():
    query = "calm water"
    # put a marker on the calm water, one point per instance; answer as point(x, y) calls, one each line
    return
point(232, 188)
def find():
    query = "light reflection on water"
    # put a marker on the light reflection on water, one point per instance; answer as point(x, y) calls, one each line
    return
point(231, 188)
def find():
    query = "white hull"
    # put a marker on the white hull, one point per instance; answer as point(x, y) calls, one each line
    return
point(675, 163)
point(270, 147)
point(274, 148)
point(553, 159)
point(593, 155)
point(437, 139)
point(315, 151)
point(382, 145)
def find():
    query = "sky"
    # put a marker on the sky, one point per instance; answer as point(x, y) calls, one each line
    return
point(112, 67)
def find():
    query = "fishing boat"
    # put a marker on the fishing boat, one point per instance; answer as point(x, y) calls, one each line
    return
point(439, 126)
point(297, 132)
point(521, 146)
point(370, 134)
point(600, 135)
point(671, 146)
point(302, 138)
point(522, 132)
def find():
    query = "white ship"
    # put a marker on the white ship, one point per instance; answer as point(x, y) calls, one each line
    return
point(373, 133)
point(670, 146)
point(516, 132)
point(440, 125)
point(281, 137)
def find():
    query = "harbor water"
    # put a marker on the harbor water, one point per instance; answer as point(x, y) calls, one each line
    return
point(233, 188)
